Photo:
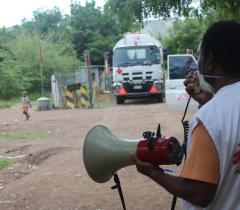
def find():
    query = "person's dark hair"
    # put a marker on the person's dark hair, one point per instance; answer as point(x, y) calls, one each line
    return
point(222, 39)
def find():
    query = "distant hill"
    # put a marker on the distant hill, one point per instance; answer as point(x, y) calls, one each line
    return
point(156, 27)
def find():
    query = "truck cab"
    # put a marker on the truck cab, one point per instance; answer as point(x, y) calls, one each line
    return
point(138, 68)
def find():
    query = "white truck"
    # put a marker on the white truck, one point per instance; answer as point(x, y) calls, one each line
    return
point(138, 67)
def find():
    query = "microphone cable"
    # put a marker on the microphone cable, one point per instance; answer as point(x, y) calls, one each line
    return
point(186, 127)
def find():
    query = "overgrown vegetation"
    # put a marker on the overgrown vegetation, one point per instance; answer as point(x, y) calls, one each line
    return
point(56, 41)
point(59, 41)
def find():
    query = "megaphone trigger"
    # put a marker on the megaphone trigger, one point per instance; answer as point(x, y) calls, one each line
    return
point(175, 151)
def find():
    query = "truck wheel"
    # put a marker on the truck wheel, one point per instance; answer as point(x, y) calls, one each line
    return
point(119, 99)
point(159, 98)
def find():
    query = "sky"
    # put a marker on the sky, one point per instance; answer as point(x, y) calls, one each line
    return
point(13, 11)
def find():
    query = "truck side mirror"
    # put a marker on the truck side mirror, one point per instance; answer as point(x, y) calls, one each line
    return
point(165, 54)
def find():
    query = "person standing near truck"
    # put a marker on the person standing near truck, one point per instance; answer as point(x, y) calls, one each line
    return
point(26, 104)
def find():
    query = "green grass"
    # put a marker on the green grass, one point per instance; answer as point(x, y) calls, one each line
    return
point(4, 162)
point(7, 103)
point(25, 136)
point(35, 96)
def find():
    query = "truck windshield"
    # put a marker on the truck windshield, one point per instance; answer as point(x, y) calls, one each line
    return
point(139, 55)
point(179, 66)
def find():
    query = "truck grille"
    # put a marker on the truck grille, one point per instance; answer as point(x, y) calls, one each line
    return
point(137, 73)
point(136, 76)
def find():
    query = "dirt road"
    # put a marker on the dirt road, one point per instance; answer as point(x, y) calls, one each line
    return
point(48, 171)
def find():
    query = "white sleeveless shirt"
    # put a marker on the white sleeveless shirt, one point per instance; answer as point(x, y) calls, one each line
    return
point(221, 118)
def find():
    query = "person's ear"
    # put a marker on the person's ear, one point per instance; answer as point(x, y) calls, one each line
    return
point(211, 64)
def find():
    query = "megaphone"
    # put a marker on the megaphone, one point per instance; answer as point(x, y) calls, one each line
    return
point(104, 153)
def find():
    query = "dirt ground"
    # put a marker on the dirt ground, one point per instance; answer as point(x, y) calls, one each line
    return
point(48, 171)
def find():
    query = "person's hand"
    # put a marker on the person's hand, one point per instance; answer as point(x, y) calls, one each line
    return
point(194, 90)
point(145, 167)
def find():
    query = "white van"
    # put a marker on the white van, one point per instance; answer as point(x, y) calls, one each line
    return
point(138, 67)
point(178, 66)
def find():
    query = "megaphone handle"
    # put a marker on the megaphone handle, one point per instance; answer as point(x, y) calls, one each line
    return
point(118, 186)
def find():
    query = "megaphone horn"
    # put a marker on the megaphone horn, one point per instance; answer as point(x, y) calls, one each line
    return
point(104, 153)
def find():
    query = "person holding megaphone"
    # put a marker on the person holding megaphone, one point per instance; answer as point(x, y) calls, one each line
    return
point(211, 176)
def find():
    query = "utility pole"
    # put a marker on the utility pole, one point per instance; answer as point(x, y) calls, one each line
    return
point(105, 75)
point(41, 64)
point(88, 69)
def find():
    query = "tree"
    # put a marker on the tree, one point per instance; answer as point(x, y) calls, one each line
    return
point(20, 71)
point(128, 15)
point(221, 9)
point(184, 34)
point(5, 37)
point(44, 21)
point(93, 31)
point(138, 10)
point(7, 87)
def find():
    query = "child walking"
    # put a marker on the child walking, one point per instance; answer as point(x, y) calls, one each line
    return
point(26, 104)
